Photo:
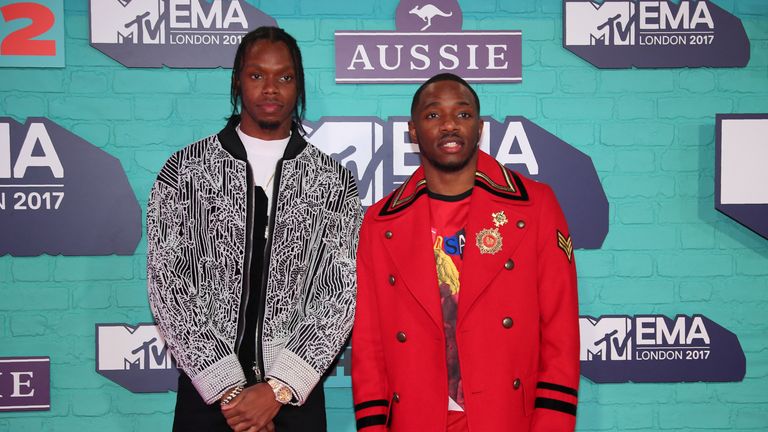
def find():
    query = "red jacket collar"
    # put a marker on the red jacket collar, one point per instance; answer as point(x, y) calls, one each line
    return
point(490, 176)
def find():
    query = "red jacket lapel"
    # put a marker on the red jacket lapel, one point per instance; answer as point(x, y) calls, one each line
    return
point(406, 215)
point(499, 201)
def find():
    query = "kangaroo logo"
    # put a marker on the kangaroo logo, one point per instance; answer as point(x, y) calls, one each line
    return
point(427, 12)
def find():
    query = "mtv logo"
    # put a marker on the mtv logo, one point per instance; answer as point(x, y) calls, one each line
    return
point(135, 21)
point(135, 357)
point(357, 145)
point(606, 23)
point(124, 347)
point(605, 338)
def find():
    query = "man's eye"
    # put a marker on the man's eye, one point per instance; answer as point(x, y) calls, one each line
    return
point(431, 115)
point(287, 78)
point(465, 115)
point(255, 76)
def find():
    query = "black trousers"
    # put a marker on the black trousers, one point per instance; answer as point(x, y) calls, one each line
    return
point(193, 414)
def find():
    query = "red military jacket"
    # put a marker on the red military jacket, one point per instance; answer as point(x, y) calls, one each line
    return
point(517, 327)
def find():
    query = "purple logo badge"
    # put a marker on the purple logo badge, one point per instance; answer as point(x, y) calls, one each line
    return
point(25, 384)
point(381, 155)
point(135, 357)
point(428, 41)
point(174, 33)
point(655, 348)
point(654, 34)
point(740, 174)
point(60, 194)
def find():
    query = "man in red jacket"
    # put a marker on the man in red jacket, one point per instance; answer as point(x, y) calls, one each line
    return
point(467, 312)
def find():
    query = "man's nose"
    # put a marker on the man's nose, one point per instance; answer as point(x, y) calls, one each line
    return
point(448, 124)
point(270, 86)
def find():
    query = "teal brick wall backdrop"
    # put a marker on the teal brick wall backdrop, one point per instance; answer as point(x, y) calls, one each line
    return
point(650, 134)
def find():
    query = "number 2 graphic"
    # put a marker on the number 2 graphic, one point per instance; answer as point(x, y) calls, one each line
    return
point(20, 42)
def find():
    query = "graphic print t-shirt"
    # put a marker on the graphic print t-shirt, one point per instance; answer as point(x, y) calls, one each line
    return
point(448, 216)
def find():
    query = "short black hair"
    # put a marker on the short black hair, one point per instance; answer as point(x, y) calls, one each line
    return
point(271, 34)
point(443, 77)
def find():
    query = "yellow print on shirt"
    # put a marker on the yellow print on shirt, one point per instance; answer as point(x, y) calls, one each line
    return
point(447, 273)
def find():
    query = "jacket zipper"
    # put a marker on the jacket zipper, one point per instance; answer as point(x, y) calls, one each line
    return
point(258, 367)
point(248, 253)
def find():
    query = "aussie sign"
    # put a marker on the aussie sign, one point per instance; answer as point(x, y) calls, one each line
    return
point(654, 34)
point(174, 33)
point(740, 175)
point(25, 384)
point(428, 41)
point(135, 357)
point(59, 194)
point(655, 348)
point(31, 33)
point(382, 156)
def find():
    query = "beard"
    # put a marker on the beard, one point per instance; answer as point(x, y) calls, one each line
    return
point(268, 125)
point(453, 166)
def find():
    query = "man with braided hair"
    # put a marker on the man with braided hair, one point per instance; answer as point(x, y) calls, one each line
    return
point(251, 239)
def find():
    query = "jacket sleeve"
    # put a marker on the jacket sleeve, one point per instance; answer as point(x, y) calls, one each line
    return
point(328, 304)
point(204, 353)
point(558, 374)
point(369, 380)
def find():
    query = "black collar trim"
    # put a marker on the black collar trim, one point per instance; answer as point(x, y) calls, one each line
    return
point(510, 187)
point(450, 198)
point(231, 142)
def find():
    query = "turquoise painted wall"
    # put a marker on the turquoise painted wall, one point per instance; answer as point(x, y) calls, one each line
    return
point(650, 134)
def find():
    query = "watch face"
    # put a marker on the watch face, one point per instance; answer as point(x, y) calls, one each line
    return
point(282, 392)
point(284, 395)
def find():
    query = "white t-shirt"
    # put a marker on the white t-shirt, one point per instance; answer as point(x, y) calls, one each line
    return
point(262, 157)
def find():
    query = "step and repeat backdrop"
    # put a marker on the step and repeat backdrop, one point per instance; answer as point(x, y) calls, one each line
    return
point(649, 119)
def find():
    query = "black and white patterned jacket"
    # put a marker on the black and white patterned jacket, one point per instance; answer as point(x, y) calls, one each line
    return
point(198, 239)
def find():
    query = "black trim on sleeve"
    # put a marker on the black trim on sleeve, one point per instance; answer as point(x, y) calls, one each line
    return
point(374, 420)
point(371, 403)
point(556, 405)
point(557, 387)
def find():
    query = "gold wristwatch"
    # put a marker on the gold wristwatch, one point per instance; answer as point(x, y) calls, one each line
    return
point(283, 394)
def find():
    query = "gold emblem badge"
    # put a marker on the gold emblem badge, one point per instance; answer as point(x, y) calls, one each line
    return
point(489, 241)
point(499, 218)
point(565, 244)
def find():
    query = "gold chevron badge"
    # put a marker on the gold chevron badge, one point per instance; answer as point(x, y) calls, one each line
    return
point(565, 244)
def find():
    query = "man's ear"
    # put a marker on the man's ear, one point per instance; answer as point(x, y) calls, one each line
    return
point(412, 132)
